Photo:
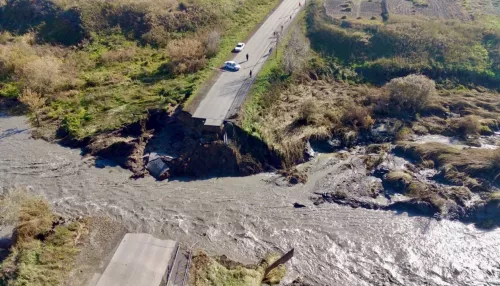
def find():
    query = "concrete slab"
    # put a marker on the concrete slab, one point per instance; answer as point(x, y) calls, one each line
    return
point(213, 122)
point(140, 260)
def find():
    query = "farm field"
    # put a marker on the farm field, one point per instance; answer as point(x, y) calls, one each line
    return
point(481, 7)
point(443, 9)
point(341, 8)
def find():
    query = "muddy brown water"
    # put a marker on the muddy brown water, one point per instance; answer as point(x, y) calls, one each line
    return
point(247, 217)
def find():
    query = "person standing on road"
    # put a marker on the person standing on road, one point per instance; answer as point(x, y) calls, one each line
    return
point(247, 57)
point(250, 73)
point(270, 50)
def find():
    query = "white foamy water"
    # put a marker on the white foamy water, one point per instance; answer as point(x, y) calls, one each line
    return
point(247, 217)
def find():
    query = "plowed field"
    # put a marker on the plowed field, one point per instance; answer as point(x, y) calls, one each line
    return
point(443, 9)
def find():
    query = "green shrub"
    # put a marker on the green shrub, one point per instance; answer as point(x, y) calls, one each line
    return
point(9, 90)
point(20, 16)
point(485, 130)
point(65, 28)
point(73, 122)
point(157, 37)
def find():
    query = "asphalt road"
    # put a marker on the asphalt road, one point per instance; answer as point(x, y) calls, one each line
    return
point(219, 100)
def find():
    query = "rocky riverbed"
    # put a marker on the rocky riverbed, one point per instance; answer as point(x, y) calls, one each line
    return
point(247, 217)
point(379, 177)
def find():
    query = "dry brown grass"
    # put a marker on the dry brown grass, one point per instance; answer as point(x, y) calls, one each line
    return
point(208, 271)
point(494, 164)
point(118, 56)
point(410, 94)
point(465, 126)
point(42, 74)
point(485, 105)
point(5, 37)
point(477, 163)
point(313, 110)
point(10, 204)
point(357, 117)
point(41, 68)
point(309, 113)
point(479, 114)
point(35, 219)
point(187, 55)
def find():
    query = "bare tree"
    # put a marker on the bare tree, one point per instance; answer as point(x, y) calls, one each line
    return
point(34, 101)
point(295, 52)
point(212, 43)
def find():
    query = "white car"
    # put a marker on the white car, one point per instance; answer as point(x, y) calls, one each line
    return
point(239, 47)
point(232, 66)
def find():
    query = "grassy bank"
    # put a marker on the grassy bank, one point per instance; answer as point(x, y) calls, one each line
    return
point(44, 249)
point(208, 271)
point(122, 58)
point(274, 77)
point(451, 52)
point(459, 166)
point(332, 93)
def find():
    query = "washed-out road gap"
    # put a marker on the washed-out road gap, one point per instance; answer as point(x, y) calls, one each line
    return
point(215, 105)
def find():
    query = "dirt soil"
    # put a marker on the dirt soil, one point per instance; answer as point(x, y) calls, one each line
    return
point(183, 145)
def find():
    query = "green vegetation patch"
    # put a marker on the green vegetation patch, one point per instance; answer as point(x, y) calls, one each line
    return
point(208, 271)
point(127, 57)
point(272, 77)
point(464, 52)
point(43, 252)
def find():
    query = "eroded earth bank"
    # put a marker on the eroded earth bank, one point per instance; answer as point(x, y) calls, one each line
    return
point(247, 217)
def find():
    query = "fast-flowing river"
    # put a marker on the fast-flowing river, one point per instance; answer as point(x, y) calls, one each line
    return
point(247, 217)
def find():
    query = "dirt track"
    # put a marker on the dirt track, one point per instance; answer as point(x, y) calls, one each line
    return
point(246, 217)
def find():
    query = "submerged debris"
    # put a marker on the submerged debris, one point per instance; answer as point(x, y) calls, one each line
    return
point(157, 166)
point(294, 176)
